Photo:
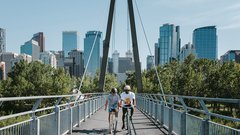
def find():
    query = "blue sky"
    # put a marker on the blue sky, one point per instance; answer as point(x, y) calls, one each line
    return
point(23, 18)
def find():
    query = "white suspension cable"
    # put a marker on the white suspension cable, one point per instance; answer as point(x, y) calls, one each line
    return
point(84, 74)
point(128, 31)
point(155, 67)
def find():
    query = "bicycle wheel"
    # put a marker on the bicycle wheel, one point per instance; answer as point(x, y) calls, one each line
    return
point(128, 123)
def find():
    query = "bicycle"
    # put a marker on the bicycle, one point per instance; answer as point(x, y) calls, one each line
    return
point(128, 118)
point(113, 121)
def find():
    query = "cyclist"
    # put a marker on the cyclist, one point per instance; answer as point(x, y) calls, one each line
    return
point(112, 103)
point(128, 100)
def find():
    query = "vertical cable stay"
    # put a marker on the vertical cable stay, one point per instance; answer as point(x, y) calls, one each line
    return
point(85, 71)
point(145, 35)
point(128, 31)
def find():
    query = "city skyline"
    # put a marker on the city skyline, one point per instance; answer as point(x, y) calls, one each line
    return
point(52, 18)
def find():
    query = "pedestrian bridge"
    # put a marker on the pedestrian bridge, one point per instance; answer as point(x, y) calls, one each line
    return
point(84, 114)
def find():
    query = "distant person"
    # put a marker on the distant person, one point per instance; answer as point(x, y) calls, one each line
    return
point(128, 100)
point(78, 93)
point(113, 104)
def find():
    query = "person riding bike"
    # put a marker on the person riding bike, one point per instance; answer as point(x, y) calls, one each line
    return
point(113, 104)
point(128, 100)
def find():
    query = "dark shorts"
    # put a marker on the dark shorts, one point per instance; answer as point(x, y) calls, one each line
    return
point(112, 110)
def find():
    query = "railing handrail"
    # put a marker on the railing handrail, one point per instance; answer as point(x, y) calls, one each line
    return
point(3, 99)
point(225, 100)
point(6, 99)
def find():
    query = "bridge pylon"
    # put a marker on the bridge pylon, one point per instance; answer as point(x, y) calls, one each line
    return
point(134, 45)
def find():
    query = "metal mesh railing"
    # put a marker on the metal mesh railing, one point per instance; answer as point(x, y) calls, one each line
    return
point(193, 125)
point(22, 128)
point(174, 115)
point(61, 120)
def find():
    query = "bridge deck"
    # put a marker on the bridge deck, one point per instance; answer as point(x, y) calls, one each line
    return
point(98, 124)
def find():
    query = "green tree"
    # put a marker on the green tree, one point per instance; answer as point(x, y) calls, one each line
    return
point(33, 79)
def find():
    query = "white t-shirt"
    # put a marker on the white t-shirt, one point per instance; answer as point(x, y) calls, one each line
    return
point(127, 99)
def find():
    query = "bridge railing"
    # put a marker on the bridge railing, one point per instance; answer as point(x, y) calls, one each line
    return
point(67, 112)
point(173, 113)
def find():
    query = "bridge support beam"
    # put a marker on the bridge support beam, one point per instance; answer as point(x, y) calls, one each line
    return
point(58, 119)
point(106, 46)
point(79, 114)
point(84, 111)
point(70, 125)
point(134, 45)
point(35, 126)
point(162, 114)
point(205, 127)
point(170, 128)
point(183, 123)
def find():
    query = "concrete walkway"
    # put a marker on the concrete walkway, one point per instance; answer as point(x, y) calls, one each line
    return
point(98, 125)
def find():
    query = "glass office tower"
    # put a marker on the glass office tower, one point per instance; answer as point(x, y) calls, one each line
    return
point(205, 42)
point(169, 43)
point(69, 41)
point(94, 62)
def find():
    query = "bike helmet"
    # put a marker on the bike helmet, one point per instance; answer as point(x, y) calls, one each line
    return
point(127, 88)
point(114, 90)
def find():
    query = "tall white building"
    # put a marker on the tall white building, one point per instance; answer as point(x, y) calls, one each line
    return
point(115, 59)
point(48, 58)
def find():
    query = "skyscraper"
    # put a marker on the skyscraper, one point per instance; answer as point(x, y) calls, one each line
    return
point(2, 40)
point(69, 41)
point(231, 55)
point(186, 50)
point(150, 62)
point(94, 62)
point(205, 42)
point(39, 37)
point(169, 43)
point(77, 56)
point(31, 48)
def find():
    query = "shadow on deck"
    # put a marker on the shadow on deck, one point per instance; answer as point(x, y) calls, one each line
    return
point(98, 124)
